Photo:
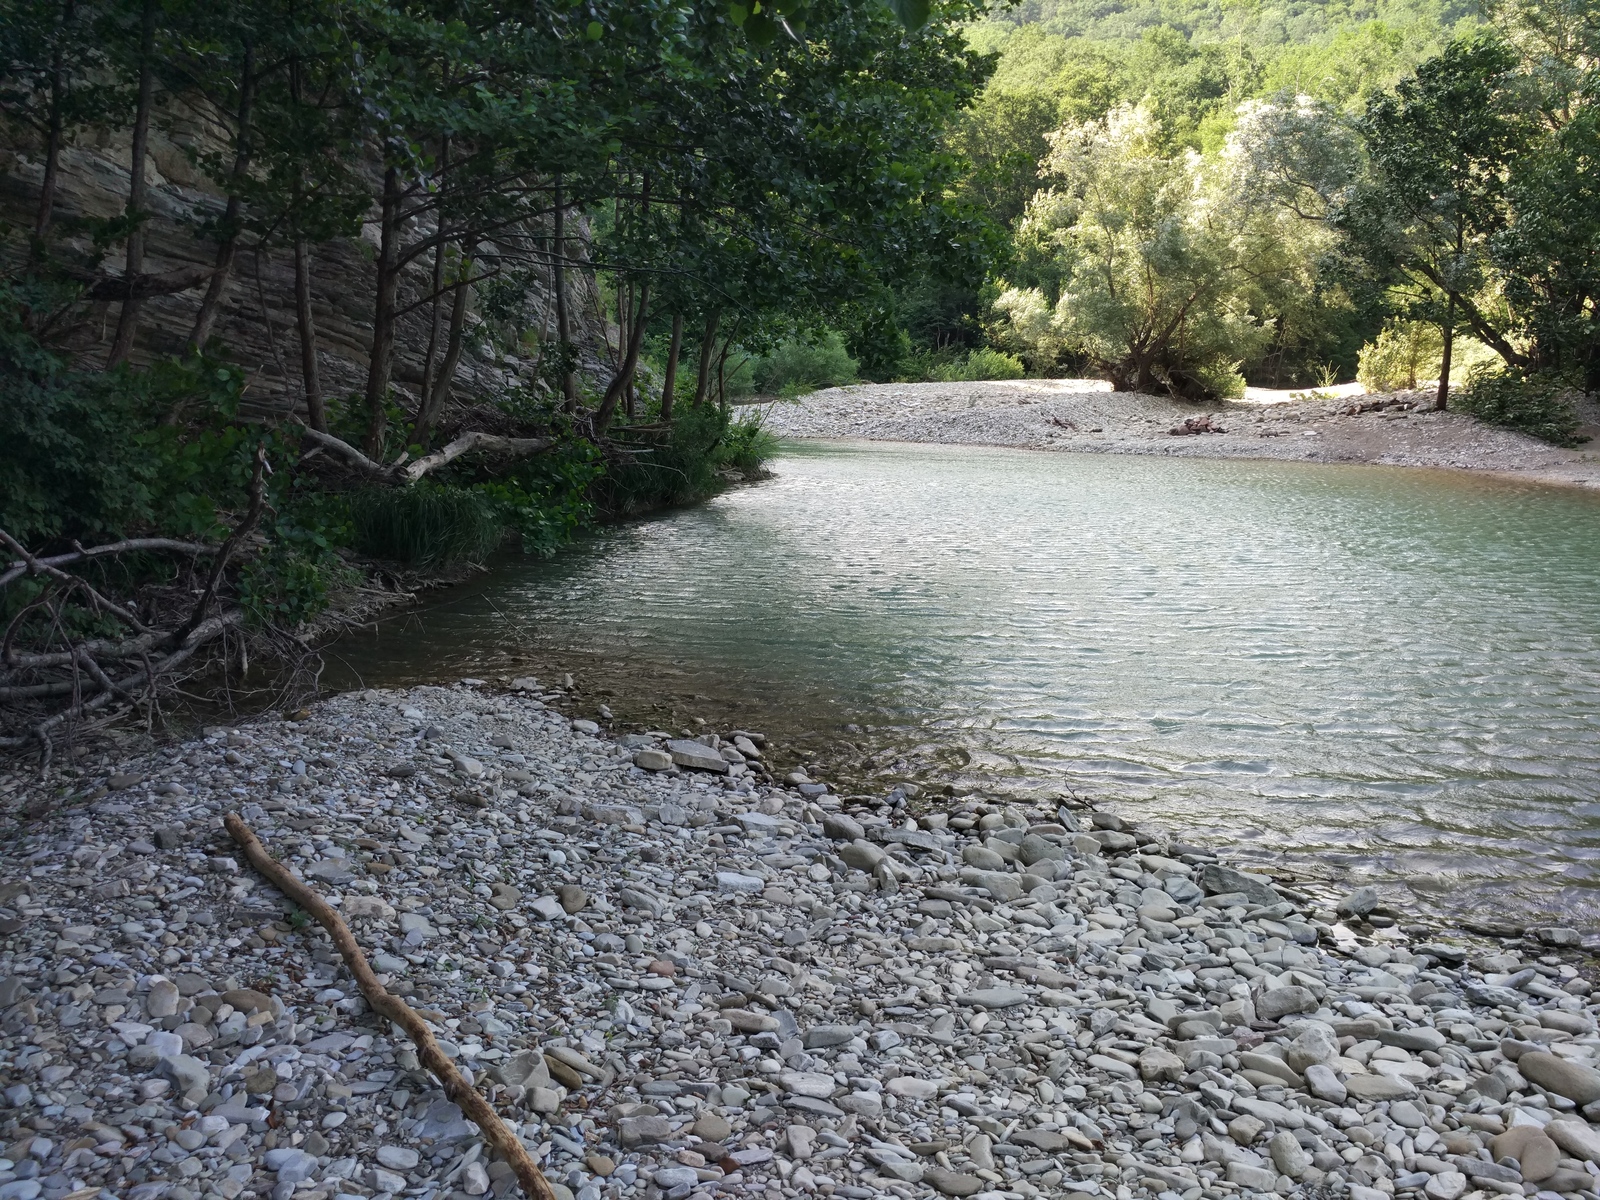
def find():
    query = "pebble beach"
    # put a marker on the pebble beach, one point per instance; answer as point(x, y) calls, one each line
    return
point(680, 974)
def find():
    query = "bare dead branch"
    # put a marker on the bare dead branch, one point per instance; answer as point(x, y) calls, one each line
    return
point(401, 473)
point(126, 546)
point(326, 441)
point(36, 566)
point(252, 517)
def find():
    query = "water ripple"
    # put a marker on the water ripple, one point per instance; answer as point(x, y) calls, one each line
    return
point(1370, 672)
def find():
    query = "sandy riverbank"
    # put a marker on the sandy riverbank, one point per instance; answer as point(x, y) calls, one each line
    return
point(1084, 415)
point(682, 983)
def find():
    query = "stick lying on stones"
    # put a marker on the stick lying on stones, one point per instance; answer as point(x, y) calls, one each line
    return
point(391, 1007)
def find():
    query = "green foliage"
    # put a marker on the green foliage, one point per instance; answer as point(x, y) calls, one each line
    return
point(1403, 353)
point(547, 500)
point(746, 446)
point(427, 525)
point(684, 466)
point(799, 365)
point(1155, 261)
point(980, 364)
point(1543, 406)
point(1260, 28)
point(84, 454)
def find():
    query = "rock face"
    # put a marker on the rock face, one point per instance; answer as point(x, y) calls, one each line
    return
point(679, 982)
point(257, 320)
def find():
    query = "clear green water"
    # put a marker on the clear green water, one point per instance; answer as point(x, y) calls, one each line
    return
point(1370, 673)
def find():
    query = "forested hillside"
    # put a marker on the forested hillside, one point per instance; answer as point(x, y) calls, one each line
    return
point(1196, 196)
point(1298, 22)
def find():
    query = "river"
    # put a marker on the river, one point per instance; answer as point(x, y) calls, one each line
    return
point(1368, 674)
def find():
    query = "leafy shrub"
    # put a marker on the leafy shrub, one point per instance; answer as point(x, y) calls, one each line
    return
point(547, 499)
point(981, 364)
point(746, 445)
point(796, 366)
point(425, 525)
point(1540, 405)
point(682, 467)
point(1401, 354)
point(86, 454)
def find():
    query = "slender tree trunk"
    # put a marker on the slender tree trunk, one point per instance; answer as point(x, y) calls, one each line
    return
point(722, 374)
point(52, 149)
point(670, 385)
point(381, 361)
point(133, 266)
point(433, 401)
point(434, 324)
point(228, 247)
point(310, 377)
point(708, 350)
point(630, 360)
point(569, 378)
point(1441, 400)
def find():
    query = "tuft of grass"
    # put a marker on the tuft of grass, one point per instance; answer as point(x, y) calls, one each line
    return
point(426, 525)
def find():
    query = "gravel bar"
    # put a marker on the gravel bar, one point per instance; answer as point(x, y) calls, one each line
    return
point(680, 978)
point(1085, 416)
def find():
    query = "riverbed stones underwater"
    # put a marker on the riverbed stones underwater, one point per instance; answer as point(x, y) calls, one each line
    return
point(679, 984)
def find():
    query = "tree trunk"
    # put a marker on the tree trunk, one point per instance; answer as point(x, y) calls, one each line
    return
point(624, 312)
point(228, 247)
point(433, 400)
point(630, 360)
point(52, 149)
point(1441, 400)
point(708, 350)
point(310, 377)
point(133, 266)
point(569, 379)
point(381, 361)
point(436, 318)
point(668, 387)
point(722, 374)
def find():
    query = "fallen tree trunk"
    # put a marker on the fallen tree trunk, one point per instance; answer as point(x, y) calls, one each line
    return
point(392, 1008)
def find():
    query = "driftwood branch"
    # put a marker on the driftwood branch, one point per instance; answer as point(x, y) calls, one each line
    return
point(326, 441)
point(258, 504)
point(392, 1008)
point(36, 566)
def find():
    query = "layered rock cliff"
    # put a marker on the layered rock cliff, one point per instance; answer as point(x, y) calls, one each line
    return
point(257, 325)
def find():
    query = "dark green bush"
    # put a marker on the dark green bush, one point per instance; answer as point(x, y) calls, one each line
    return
point(797, 366)
point(1540, 405)
point(87, 454)
point(746, 446)
point(683, 467)
point(547, 499)
point(426, 525)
